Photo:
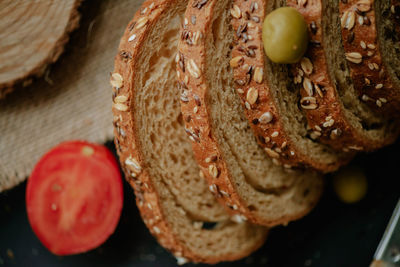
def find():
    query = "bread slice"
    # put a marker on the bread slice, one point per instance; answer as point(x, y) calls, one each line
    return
point(370, 44)
point(334, 111)
point(270, 97)
point(239, 172)
point(156, 155)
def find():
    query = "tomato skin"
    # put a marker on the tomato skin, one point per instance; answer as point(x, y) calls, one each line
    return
point(74, 197)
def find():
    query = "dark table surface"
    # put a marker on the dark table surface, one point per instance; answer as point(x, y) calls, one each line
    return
point(333, 234)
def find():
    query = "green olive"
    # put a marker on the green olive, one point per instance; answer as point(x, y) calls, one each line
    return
point(285, 35)
point(350, 184)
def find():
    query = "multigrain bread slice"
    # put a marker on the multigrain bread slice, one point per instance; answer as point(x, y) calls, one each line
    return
point(154, 151)
point(240, 174)
point(335, 114)
point(270, 97)
point(372, 51)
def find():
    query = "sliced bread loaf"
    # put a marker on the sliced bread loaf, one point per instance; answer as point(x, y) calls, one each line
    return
point(239, 172)
point(270, 97)
point(334, 111)
point(173, 199)
point(370, 43)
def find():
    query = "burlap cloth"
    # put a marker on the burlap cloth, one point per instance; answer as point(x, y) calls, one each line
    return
point(73, 101)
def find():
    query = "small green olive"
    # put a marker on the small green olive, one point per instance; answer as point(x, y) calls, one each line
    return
point(350, 184)
point(285, 35)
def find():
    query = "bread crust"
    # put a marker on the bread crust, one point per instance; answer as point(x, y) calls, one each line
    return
point(369, 74)
point(128, 144)
point(327, 118)
point(248, 57)
point(190, 67)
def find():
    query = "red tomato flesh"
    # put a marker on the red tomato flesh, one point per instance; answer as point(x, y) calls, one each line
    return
point(74, 197)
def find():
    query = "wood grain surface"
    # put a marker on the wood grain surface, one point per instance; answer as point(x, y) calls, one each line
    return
point(32, 35)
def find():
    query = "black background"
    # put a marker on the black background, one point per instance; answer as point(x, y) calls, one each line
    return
point(333, 234)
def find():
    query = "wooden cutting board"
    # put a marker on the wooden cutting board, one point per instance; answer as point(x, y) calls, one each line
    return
point(73, 100)
point(33, 34)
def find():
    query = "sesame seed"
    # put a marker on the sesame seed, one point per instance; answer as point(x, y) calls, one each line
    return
point(379, 86)
point(266, 117)
point(238, 218)
point(275, 134)
point(181, 260)
point(363, 45)
point(365, 98)
point(213, 188)
point(132, 37)
point(360, 20)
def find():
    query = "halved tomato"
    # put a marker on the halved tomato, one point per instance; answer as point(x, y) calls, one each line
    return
point(74, 197)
